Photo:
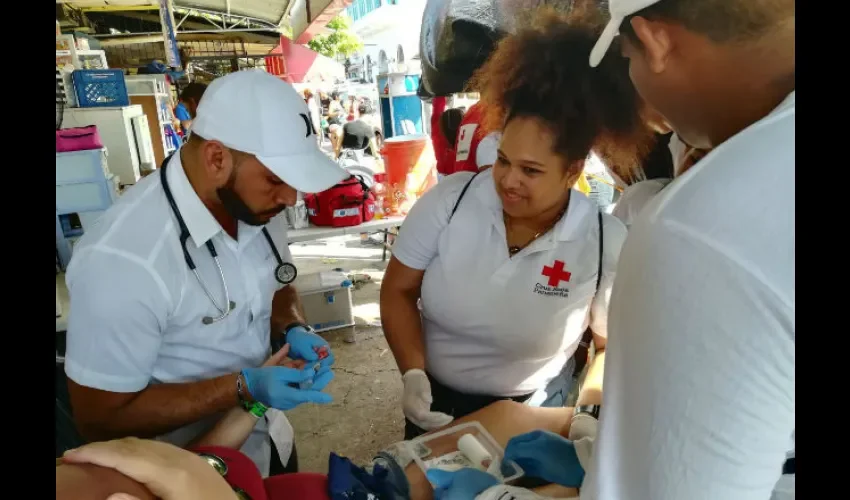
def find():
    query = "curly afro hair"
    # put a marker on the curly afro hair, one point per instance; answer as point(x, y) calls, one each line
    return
point(542, 71)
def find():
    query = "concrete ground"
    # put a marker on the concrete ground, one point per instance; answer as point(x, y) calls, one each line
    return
point(365, 415)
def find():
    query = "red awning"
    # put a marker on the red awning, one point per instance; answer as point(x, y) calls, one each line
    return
point(298, 64)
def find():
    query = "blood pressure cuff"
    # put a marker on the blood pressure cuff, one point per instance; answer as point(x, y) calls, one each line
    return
point(457, 36)
point(383, 480)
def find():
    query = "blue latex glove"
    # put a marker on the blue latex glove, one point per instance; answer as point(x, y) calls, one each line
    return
point(546, 455)
point(464, 484)
point(322, 378)
point(303, 344)
point(270, 386)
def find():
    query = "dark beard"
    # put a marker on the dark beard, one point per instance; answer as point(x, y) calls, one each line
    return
point(236, 207)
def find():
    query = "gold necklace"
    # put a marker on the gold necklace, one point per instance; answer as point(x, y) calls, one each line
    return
point(515, 249)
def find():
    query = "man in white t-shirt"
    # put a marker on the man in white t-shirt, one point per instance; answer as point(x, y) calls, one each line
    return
point(699, 378)
point(699, 383)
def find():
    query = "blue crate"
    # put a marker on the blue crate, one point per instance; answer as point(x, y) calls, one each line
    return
point(97, 88)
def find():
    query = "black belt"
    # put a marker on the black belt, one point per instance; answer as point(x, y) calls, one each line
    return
point(788, 466)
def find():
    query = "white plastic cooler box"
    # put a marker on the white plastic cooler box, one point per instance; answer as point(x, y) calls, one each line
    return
point(326, 297)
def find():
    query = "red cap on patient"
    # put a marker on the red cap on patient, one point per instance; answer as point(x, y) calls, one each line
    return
point(242, 473)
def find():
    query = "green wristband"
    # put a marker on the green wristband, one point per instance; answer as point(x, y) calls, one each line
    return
point(256, 408)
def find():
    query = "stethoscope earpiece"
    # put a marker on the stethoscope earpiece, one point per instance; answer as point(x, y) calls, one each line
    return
point(208, 320)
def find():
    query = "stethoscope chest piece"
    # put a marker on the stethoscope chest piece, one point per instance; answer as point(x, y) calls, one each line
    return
point(285, 273)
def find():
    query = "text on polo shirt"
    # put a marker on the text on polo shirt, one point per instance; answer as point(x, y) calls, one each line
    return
point(556, 273)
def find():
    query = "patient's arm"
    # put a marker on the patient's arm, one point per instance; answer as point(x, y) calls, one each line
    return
point(504, 420)
point(234, 428)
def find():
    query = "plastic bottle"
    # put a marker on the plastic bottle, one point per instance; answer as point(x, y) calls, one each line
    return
point(380, 190)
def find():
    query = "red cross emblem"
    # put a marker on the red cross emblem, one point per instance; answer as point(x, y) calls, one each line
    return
point(556, 273)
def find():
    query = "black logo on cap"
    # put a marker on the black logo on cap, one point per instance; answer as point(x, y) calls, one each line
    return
point(311, 130)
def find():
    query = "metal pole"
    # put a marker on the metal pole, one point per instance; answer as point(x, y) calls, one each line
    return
point(169, 33)
point(390, 95)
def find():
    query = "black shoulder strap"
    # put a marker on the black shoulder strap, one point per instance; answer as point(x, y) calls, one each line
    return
point(581, 354)
point(601, 246)
point(165, 161)
point(462, 194)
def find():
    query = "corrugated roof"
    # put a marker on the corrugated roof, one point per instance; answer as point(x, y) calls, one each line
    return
point(107, 3)
point(271, 11)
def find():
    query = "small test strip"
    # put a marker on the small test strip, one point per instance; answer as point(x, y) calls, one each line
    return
point(307, 384)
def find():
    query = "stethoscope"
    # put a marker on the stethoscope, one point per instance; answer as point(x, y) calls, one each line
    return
point(284, 273)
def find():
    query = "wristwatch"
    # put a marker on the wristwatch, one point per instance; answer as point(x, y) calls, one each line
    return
point(592, 410)
point(278, 343)
point(293, 325)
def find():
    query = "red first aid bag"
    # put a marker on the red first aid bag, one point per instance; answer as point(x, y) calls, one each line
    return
point(348, 203)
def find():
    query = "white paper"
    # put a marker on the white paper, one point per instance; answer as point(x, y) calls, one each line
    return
point(281, 433)
point(450, 462)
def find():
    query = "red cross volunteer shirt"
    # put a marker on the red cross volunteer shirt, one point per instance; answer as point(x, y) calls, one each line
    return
point(494, 324)
point(469, 135)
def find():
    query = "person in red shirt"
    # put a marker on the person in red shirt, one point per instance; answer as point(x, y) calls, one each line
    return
point(469, 136)
point(438, 140)
point(449, 124)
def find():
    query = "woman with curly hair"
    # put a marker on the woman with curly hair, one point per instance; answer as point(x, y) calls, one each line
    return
point(496, 275)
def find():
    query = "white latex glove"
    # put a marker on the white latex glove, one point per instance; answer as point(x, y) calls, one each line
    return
point(417, 400)
point(582, 425)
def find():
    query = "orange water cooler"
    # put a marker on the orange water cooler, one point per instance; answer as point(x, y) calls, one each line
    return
point(411, 169)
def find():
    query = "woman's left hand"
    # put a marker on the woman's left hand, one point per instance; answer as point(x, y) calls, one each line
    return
point(169, 472)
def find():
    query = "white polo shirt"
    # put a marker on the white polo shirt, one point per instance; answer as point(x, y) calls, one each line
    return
point(497, 325)
point(136, 308)
point(635, 198)
point(488, 150)
point(699, 398)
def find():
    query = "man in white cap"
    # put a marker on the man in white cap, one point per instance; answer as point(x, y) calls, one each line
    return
point(699, 378)
point(181, 289)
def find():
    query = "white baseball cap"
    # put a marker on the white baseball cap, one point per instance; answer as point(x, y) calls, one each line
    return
point(620, 10)
point(258, 113)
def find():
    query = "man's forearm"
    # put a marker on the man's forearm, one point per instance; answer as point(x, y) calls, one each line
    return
point(591, 390)
point(286, 309)
point(162, 408)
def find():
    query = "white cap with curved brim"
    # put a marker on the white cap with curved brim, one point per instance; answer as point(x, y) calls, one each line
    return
point(620, 10)
point(255, 112)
